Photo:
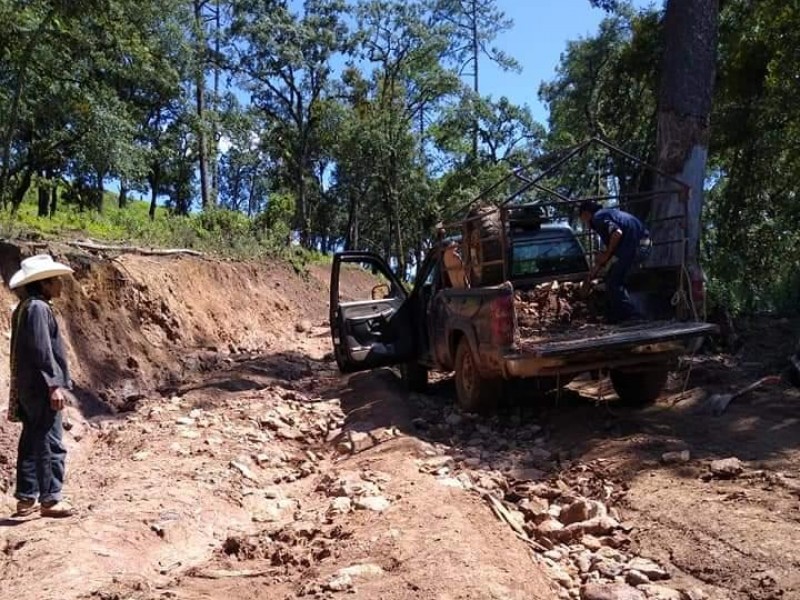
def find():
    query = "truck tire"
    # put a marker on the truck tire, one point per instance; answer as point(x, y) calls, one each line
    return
point(485, 223)
point(638, 388)
point(415, 377)
point(475, 393)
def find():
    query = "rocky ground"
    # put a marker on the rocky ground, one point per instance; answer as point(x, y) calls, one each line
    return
point(262, 473)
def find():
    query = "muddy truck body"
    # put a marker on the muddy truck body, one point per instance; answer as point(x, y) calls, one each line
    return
point(499, 302)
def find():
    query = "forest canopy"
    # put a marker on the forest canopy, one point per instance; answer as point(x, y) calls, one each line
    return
point(357, 125)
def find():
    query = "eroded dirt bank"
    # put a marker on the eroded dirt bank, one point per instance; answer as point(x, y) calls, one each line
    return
point(216, 453)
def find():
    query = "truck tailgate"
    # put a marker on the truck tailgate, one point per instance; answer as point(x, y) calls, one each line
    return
point(611, 338)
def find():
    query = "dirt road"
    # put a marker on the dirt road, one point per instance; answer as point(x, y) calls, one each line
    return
point(265, 474)
point(254, 483)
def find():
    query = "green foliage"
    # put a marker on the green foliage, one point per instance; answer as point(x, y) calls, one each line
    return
point(753, 244)
point(222, 232)
point(607, 84)
point(286, 68)
point(143, 94)
point(508, 133)
point(77, 74)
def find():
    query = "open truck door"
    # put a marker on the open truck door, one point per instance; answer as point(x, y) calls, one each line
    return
point(370, 320)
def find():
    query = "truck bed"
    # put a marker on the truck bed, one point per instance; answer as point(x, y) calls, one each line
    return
point(601, 337)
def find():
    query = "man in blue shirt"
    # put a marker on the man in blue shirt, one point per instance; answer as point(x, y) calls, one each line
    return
point(626, 240)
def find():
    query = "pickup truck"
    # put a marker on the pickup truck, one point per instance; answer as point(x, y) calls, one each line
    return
point(443, 326)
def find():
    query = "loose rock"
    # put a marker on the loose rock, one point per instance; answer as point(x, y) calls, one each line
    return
point(596, 526)
point(584, 562)
point(533, 508)
point(526, 474)
point(651, 570)
point(674, 458)
point(268, 511)
point(727, 468)
point(597, 509)
point(340, 583)
point(451, 482)
point(553, 555)
point(374, 503)
point(610, 569)
point(340, 505)
point(561, 576)
point(636, 578)
point(610, 591)
point(591, 543)
point(364, 571)
point(454, 419)
point(244, 470)
point(659, 592)
point(549, 526)
point(576, 512)
point(359, 441)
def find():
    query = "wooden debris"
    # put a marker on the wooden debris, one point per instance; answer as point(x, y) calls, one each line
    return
point(502, 513)
point(554, 306)
point(96, 247)
point(225, 574)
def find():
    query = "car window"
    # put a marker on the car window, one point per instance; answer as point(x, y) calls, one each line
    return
point(363, 280)
point(547, 252)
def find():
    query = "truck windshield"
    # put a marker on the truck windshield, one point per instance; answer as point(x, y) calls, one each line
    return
point(547, 252)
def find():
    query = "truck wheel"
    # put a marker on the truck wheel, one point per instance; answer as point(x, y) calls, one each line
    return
point(415, 376)
point(638, 388)
point(475, 393)
point(487, 225)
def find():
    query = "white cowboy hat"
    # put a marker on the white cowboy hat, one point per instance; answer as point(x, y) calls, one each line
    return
point(36, 268)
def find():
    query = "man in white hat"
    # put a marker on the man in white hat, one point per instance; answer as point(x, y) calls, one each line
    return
point(39, 376)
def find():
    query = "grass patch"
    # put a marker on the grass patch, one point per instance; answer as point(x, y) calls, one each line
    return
point(220, 232)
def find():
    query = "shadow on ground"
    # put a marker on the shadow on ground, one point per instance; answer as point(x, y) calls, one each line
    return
point(572, 425)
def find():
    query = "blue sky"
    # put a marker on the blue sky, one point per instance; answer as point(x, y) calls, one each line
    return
point(540, 34)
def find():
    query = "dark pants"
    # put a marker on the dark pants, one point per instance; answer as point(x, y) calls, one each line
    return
point(620, 307)
point(41, 457)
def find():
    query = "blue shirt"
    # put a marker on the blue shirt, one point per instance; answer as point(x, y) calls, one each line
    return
point(608, 220)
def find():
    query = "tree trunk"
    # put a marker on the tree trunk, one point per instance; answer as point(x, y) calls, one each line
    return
point(123, 194)
point(100, 191)
point(213, 160)
point(351, 241)
point(154, 183)
point(394, 224)
point(302, 210)
point(251, 197)
point(22, 188)
point(44, 196)
point(13, 112)
point(685, 99)
point(475, 89)
point(53, 201)
point(200, 88)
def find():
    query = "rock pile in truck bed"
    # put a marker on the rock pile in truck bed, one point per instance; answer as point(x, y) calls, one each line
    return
point(554, 307)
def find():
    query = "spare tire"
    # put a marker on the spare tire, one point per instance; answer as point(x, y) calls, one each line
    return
point(484, 244)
